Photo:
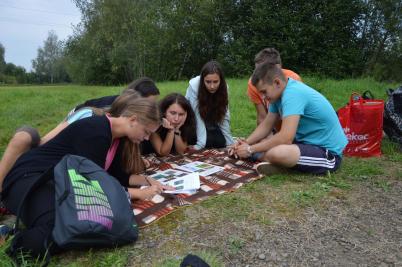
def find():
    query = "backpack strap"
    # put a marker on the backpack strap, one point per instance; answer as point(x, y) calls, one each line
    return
point(45, 177)
point(13, 249)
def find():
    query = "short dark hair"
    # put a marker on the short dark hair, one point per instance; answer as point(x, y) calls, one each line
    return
point(266, 72)
point(144, 86)
point(268, 54)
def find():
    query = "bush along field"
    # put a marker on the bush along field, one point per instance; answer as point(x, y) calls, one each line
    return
point(351, 217)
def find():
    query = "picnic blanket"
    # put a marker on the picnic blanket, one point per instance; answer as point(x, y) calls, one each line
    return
point(235, 174)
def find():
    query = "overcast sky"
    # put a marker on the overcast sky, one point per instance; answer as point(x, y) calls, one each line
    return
point(24, 26)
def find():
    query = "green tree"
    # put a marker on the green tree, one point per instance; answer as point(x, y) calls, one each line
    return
point(106, 45)
point(17, 72)
point(312, 36)
point(118, 41)
point(381, 38)
point(10, 73)
point(2, 60)
point(49, 61)
point(161, 39)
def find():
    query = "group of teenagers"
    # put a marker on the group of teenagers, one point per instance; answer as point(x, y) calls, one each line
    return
point(297, 129)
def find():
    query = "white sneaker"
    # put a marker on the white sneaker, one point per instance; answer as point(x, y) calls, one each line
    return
point(266, 168)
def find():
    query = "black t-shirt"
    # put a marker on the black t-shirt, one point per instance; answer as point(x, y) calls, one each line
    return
point(101, 102)
point(89, 138)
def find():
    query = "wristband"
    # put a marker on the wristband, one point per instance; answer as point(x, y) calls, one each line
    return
point(177, 133)
point(249, 150)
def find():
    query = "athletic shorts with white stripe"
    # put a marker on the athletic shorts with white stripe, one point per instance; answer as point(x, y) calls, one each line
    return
point(316, 160)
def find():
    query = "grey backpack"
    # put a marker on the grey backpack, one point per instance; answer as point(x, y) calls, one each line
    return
point(92, 208)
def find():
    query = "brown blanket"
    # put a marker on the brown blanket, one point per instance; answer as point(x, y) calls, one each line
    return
point(236, 173)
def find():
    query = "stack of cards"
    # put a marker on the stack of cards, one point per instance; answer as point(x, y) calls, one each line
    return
point(186, 179)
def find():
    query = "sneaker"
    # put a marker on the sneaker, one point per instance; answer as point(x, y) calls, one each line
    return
point(4, 231)
point(266, 168)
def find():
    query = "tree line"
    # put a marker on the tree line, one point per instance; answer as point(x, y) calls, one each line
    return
point(48, 66)
point(118, 41)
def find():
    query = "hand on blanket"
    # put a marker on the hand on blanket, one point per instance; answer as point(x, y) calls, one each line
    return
point(234, 148)
point(160, 186)
point(147, 163)
point(237, 149)
point(243, 150)
point(149, 192)
point(231, 150)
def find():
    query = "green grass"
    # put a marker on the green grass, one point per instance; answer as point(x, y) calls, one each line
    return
point(235, 244)
point(261, 202)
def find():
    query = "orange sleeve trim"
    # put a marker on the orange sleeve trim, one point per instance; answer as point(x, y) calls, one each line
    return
point(253, 93)
point(291, 74)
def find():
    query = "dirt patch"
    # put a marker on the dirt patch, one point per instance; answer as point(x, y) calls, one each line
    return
point(358, 227)
point(361, 228)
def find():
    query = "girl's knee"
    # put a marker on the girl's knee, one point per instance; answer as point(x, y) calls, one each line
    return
point(21, 139)
point(26, 137)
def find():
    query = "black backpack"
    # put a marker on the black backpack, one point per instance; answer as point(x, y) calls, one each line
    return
point(393, 115)
point(92, 209)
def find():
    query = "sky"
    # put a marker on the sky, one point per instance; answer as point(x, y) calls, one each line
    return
point(25, 24)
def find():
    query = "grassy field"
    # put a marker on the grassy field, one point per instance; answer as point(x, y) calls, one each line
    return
point(44, 107)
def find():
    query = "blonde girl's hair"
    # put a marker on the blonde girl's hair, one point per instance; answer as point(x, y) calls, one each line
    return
point(126, 105)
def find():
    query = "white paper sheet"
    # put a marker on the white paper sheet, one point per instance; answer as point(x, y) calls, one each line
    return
point(204, 169)
point(187, 184)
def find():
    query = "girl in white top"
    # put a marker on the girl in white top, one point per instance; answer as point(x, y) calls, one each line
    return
point(208, 96)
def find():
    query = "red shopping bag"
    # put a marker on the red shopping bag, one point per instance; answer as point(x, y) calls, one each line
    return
point(361, 120)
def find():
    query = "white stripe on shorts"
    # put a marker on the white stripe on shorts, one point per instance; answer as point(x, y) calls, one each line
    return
point(311, 161)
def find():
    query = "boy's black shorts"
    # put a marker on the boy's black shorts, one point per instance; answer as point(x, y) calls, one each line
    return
point(317, 160)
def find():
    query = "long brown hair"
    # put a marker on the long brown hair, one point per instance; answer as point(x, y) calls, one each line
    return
point(188, 129)
point(147, 112)
point(212, 107)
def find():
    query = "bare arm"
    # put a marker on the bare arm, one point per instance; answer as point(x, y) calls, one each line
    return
point(162, 147)
point(263, 129)
point(179, 143)
point(143, 194)
point(50, 135)
point(154, 187)
point(284, 137)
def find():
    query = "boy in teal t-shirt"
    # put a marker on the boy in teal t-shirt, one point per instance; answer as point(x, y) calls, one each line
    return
point(311, 138)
